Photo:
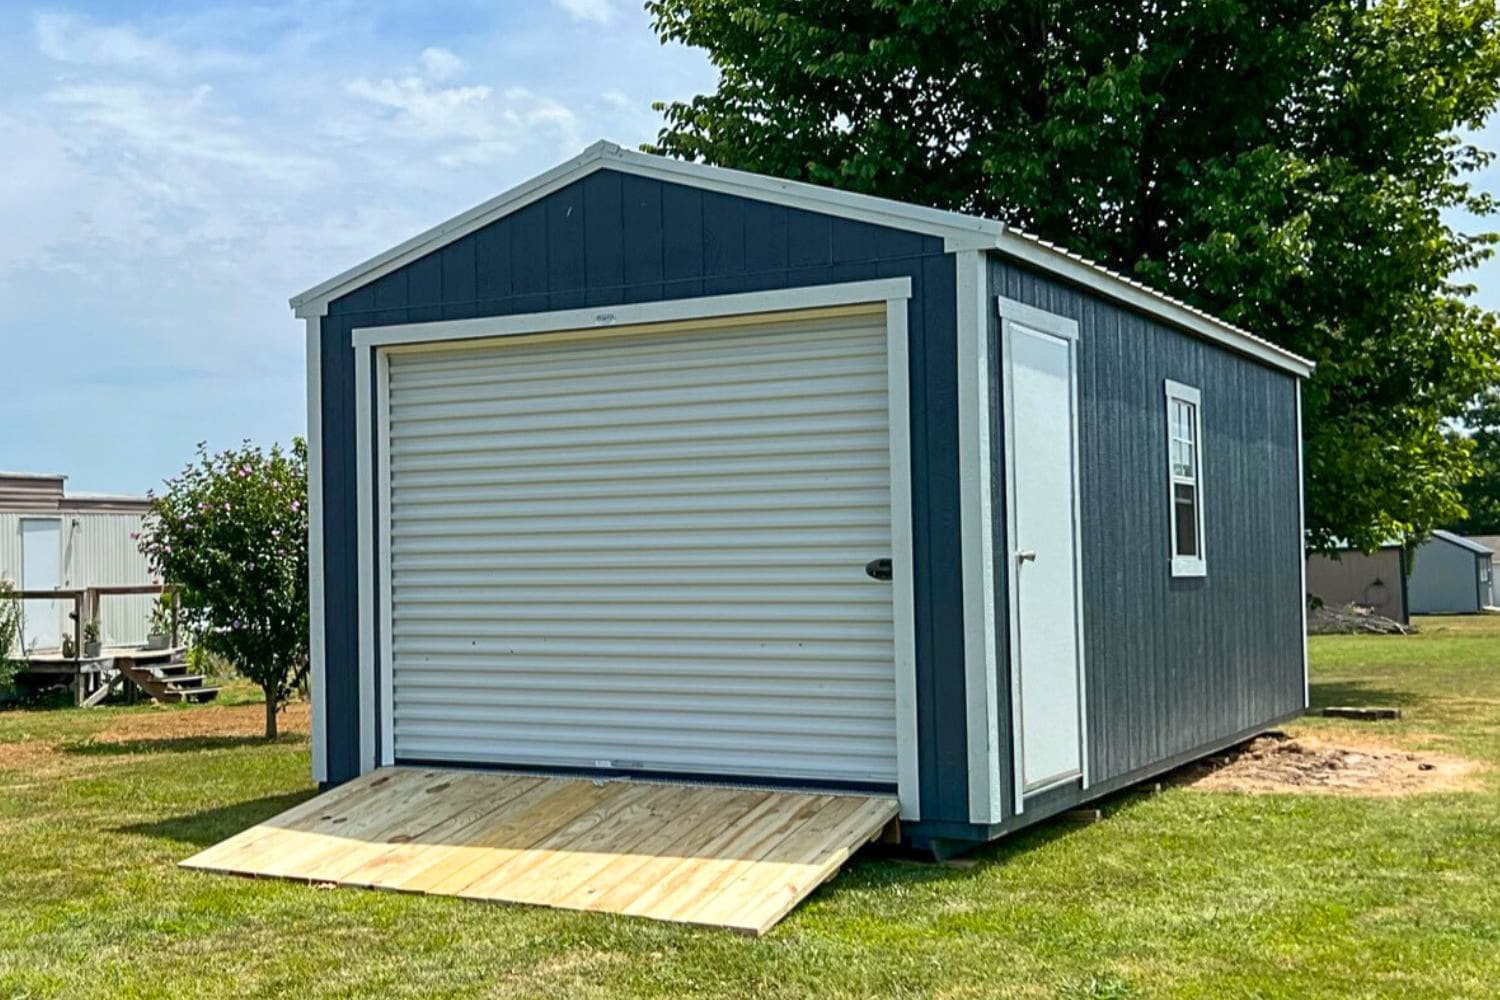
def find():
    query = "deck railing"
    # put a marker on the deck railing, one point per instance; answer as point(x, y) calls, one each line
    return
point(86, 602)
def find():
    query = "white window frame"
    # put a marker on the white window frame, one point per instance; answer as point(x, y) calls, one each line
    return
point(1191, 565)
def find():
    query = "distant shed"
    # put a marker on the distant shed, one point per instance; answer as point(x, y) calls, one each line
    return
point(1451, 575)
point(51, 539)
point(1376, 580)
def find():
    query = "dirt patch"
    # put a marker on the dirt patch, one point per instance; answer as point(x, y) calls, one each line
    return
point(1277, 762)
point(207, 720)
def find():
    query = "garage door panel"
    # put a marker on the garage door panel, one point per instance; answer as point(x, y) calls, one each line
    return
point(530, 359)
point(647, 551)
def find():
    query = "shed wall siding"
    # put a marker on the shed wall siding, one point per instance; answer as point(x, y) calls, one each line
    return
point(613, 238)
point(1444, 579)
point(1172, 664)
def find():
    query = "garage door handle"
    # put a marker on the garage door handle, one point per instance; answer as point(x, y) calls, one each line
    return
point(1026, 555)
point(878, 569)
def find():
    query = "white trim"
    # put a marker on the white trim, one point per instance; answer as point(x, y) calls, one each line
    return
point(959, 232)
point(383, 529)
point(976, 521)
point(364, 509)
point(1019, 313)
point(316, 623)
point(1107, 283)
point(1302, 536)
point(903, 577)
point(1196, 565)
point(893, 292)
point(707, 307)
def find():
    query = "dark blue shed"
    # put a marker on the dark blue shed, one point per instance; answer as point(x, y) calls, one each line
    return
point(649, 467)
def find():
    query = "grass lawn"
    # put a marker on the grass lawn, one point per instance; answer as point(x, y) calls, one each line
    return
point(1188, 893)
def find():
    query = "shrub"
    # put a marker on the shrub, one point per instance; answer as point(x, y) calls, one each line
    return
point(231, 533)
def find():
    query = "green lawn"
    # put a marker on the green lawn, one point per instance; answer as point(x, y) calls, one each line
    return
point(1183, 894)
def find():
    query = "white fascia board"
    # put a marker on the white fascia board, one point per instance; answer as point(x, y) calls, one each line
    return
point(1107, 283)
point(950, 226)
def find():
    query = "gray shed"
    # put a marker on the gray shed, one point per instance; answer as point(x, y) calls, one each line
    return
point(650, 468)
point(1451, 575)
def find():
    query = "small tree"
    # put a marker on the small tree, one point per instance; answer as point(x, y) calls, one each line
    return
point(231, 532)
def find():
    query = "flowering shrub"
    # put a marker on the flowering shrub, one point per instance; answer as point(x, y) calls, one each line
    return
point(231, 532)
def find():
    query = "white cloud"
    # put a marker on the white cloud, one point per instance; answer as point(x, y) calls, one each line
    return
point(597, 11)
point(441, 64)
point(163, 124)
point(475, 124)
point(69, 38)
point(616, 99)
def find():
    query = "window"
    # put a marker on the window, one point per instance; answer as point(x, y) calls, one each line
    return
point(1185, 479)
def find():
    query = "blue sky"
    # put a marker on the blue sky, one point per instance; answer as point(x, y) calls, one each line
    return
point(173, 173)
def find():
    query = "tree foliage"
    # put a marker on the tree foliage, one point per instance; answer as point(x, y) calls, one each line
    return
point(1481, 494)
point(1285, 164)
point(231, 532)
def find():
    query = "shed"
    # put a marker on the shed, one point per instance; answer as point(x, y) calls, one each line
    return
point(652, 469)
point(52, 539)
point(1376, 580)
point(1451, 575)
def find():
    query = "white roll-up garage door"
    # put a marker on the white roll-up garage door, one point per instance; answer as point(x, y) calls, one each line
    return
point(646, 551)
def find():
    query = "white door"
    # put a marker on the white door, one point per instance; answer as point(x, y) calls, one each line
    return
point(1040, 373)
point(645, 551)
point(41, 569)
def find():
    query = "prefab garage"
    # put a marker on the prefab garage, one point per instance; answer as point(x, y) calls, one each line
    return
point(652, 469)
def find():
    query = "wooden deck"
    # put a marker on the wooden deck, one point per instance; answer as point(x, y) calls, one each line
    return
point(719, 856)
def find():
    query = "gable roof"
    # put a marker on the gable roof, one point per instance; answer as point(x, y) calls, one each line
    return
point(1462, 542)
point(957, 230)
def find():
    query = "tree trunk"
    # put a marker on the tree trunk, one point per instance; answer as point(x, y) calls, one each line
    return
point(270, 713)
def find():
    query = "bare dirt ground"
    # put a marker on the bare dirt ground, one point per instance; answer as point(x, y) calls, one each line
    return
point(48, 755)
point(1350, 765)
point(207, 720)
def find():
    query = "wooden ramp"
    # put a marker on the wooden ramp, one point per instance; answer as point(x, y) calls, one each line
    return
point(719, 856)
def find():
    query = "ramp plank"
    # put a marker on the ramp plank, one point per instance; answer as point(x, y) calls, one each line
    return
point(718, 856)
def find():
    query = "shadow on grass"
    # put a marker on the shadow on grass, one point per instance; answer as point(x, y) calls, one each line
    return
point(1346, 692)
point(208, 827)
point(176, 744)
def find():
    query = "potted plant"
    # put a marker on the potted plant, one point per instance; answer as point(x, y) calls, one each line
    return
point(159, 630)
point(91, 643)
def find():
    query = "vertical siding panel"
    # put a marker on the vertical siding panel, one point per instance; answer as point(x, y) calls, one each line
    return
point(566, 267)
point(603, 237)
point(492, 275)
point(809, 239)
point(642, 244)
point(766, 239)
point(424, 284)
point(723, 243)
point(529, 253)
point(459, 279)
point(682, 236)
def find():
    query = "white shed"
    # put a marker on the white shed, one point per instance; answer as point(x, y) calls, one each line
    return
point(51, 539)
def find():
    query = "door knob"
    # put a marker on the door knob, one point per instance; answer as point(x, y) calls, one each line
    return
point(1026, 555)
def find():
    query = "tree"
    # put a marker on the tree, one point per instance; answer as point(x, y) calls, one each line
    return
point(1481, 494)
point(1285, 164)
point(231, 533)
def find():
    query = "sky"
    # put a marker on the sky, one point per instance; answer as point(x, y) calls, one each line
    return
point(170, 174)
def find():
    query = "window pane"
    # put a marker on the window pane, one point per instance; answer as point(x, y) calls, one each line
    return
point(1185, 518)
